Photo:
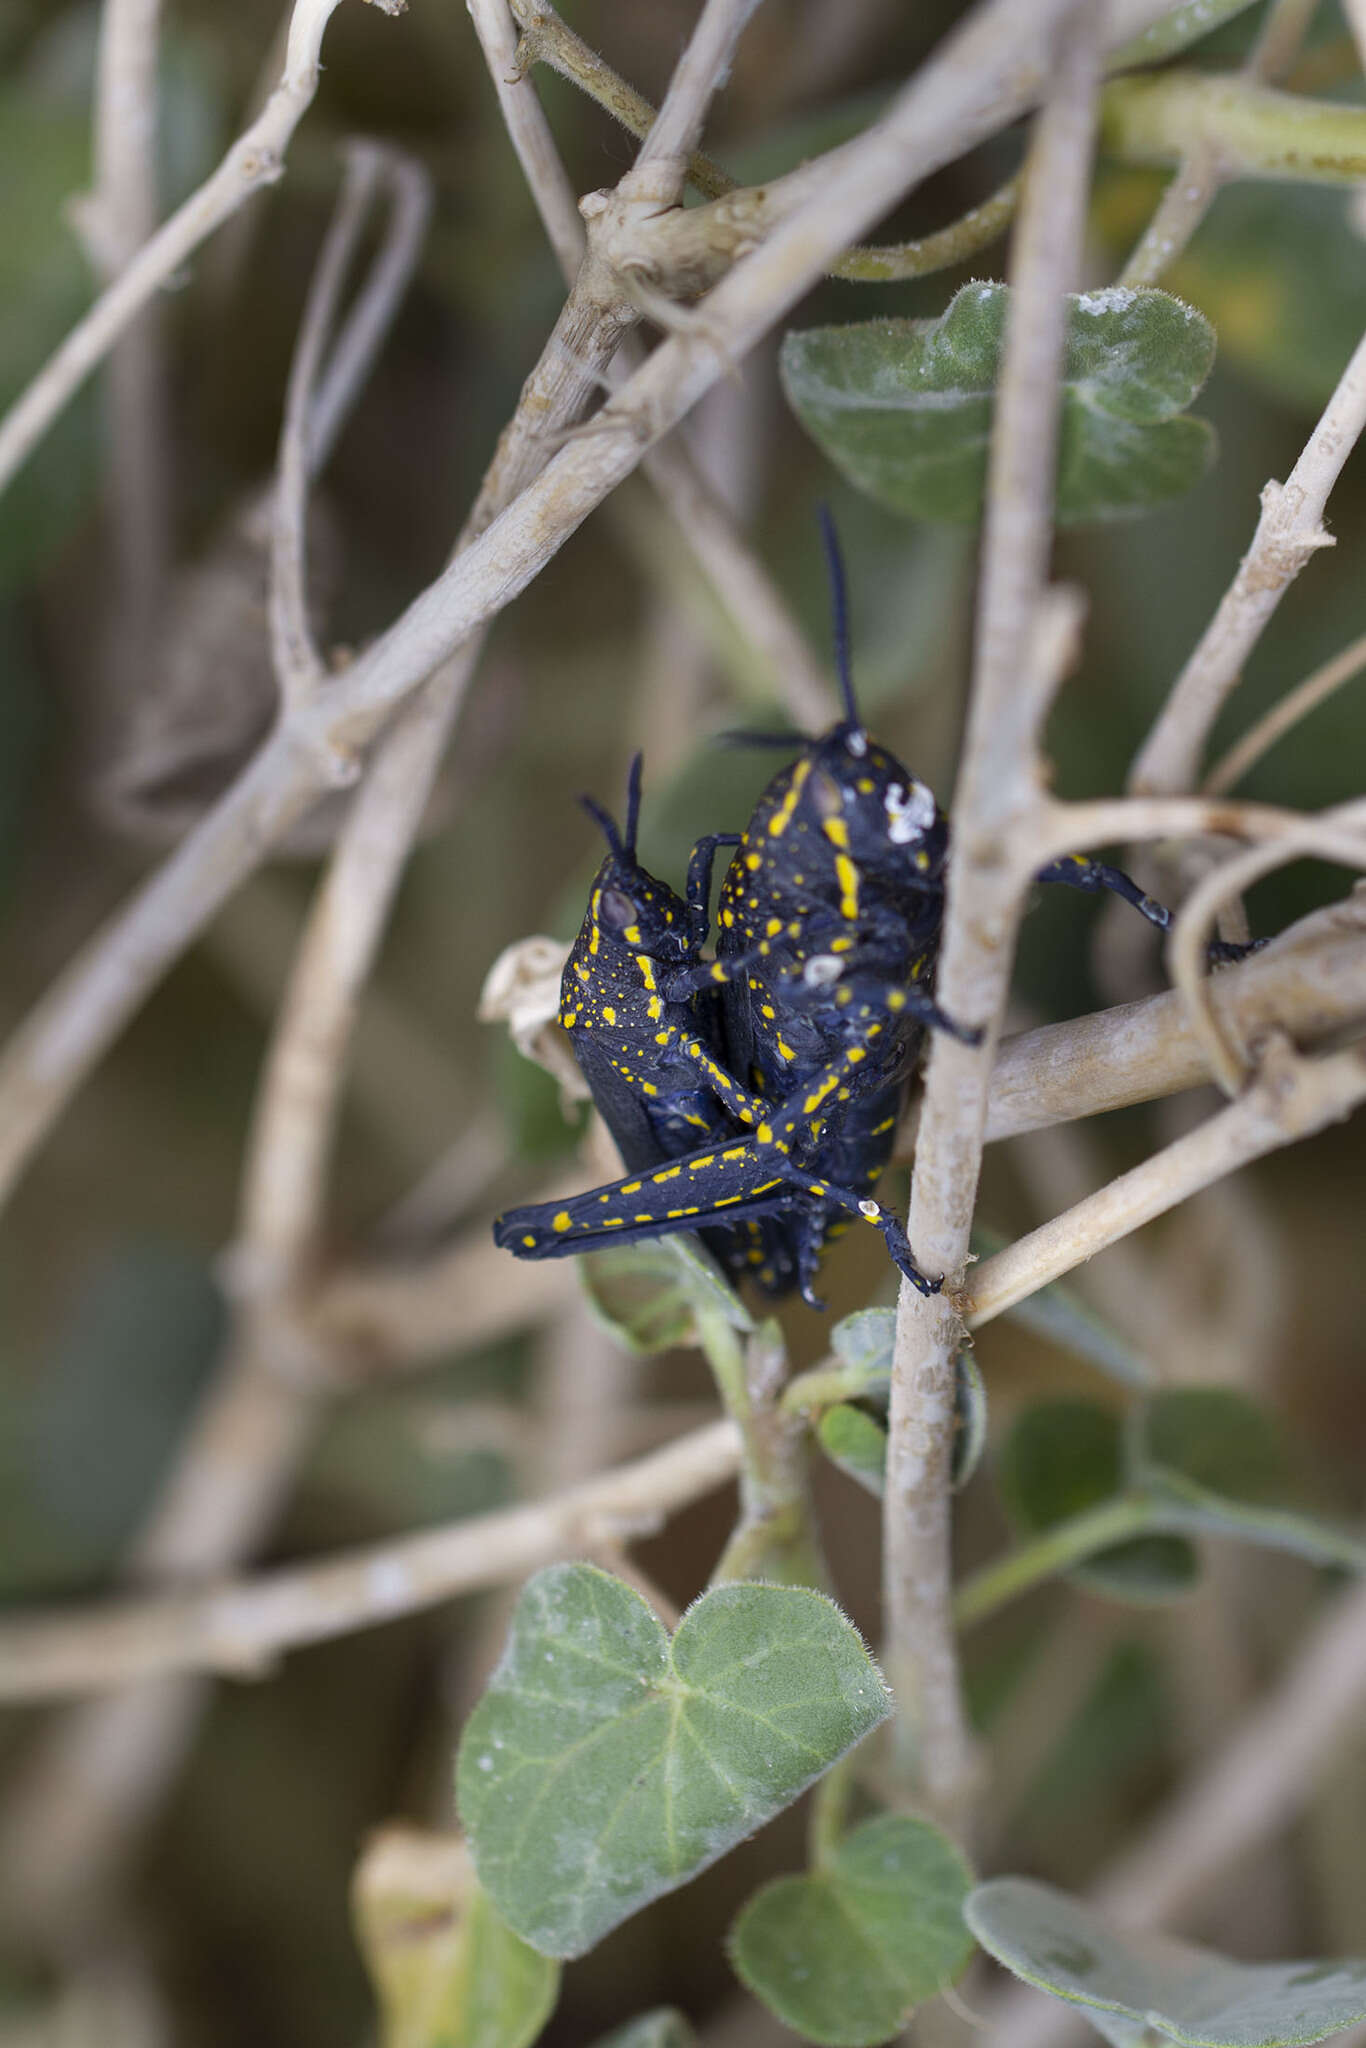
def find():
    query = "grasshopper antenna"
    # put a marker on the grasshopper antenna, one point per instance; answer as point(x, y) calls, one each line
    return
point(839, 611)
point(632, 805)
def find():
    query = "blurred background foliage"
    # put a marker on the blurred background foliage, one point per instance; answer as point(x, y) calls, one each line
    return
point(110, 1316)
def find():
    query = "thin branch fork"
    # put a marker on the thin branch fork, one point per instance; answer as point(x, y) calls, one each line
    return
point(1291, 1098)
point(1289, 532)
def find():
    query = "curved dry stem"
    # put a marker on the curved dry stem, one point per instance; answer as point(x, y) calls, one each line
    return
point(352, 356)
point(1339, 835)
point(299, 668)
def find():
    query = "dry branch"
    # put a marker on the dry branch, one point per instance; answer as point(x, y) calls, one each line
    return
point(241, 1628)
point(998, 791)
point(976, 82)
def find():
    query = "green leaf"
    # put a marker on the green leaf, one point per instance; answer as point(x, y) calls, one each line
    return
point(1174, 31)
point(846, 1954)
point(857, 1442)
point(447, 1970)
point(1065, 1457)
point(863, 1344)
point(1214, 1463)
point(651, 1296)
point(969, 1418)
point(1060, 1316)
point(663, 2028)
point(606, 1765)
point(903, 407)
point(852, 1440)
point(45, 286)
point(1189, 1994)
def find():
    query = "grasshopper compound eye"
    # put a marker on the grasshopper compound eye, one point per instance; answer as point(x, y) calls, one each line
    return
point(616, 910)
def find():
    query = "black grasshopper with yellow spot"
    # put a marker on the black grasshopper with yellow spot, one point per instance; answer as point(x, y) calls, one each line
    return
point(829, 927)
point(639, 1003)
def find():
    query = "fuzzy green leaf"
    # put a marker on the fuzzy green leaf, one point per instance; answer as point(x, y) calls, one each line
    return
point(1215, 1464)
point(903, 407)
point(1188, 1994)
point(863, 1344)
point(845, 1955)
point(856, 1443)
point(606, 1764)
point(649, 1296)
point(1065, 1457)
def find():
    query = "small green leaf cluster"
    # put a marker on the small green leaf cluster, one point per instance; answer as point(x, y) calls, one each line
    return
point(903, 408)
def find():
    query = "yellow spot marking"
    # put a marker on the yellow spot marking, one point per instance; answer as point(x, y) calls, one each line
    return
point(782, 817)
point(768, 1012)
point(855, 1054)
point(663, 1037)
point(632, 935)
point(613, 1222)
point(631, 1187)
point(773, 927)
point(643, 1219)
point(786, 1050)
point(727, 918)
point(764, 1134)
point(837, 832)
point(865, 786)
point(582, 972)
point(647, 969)
point(723, 1202)
point(593, 940)
point(753, 861)
point(735, 1152)
point(846, 874)
point(654, 1009)
point(569, 1018)
point(528, 1240)
point(609, 1015)
point(563, 1220)
point(922, 860)
point(696, 1165)
point(818, 1095)
point(669, 1173)
point(648, 1088)
point(840, 945)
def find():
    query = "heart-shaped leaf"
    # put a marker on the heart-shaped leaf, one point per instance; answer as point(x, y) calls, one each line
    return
point(1189, 1994)
point(606, 1764)
point(845, 1955)
point(448, 1971)
point(903, 407)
